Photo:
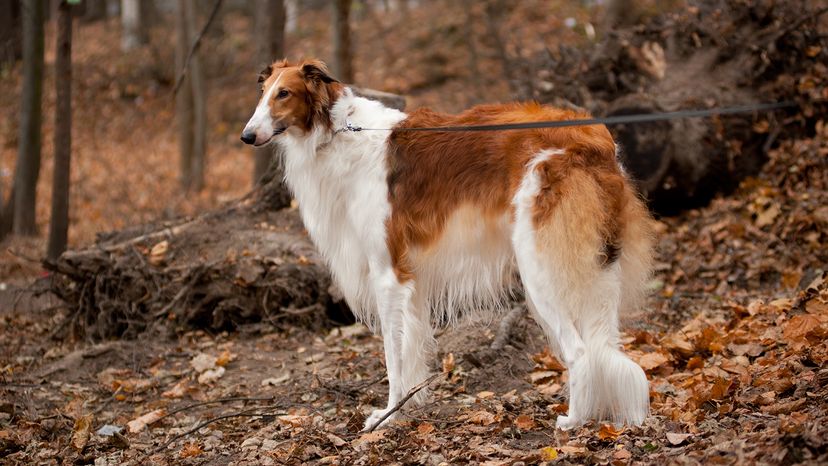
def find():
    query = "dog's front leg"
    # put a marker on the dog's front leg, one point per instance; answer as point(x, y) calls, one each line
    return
point(393, 299)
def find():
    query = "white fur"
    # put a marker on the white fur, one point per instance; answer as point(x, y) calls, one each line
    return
point(580, 317)
point(340, 182)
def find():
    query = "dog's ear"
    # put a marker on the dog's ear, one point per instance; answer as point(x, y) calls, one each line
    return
point(265, 73)
point(317, 71)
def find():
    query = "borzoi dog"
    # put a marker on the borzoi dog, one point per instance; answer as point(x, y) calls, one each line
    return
point(420, 226)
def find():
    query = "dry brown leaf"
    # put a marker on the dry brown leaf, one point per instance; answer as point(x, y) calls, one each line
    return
point(190, 450)
point(609, 432)
point(178, 390)
point(799, 326)
point(159, 252)
point(138, 424)
point(203, 362)
point(484, 418)
point(448, 363)
point(720, 389)
point(676, 439)
point(425, 428)
point(524, 422)
point(80, 432)
point(547, 361)
point(650, 361)
point(336, 441)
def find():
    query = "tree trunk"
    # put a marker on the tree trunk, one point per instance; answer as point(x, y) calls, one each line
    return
point(131, 24)
point(11, 39)
point(59, 226)
point(199, 92)
point(184, 99)
point(28, 156)
point(93, 10)
point(270, 20)
point(343, 58)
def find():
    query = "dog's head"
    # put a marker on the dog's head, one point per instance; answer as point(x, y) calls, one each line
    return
point(296, 97)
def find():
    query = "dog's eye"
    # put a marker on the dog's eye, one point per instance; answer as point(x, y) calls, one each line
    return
point(282, 94)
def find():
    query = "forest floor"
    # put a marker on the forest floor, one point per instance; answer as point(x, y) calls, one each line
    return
point(733, 341)
point(733, 335)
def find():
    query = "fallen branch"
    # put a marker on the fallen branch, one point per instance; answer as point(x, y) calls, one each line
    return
point(218, 401)
point(246, 413)
point(405, 399)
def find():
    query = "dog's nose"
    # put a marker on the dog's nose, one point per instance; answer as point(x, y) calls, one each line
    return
point(248, 137)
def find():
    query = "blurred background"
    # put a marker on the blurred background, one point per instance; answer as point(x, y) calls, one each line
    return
point(142, 152)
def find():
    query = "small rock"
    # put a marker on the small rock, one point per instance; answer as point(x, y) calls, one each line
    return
point(108, 430)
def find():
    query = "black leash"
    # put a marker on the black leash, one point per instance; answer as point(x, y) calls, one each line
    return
point(611, 120)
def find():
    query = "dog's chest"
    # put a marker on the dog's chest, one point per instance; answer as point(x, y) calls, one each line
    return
point(343, 199)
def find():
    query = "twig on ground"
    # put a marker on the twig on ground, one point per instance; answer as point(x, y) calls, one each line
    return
point(195, 46)
point(246, 413)
point(407, 397)
point(218, 401)
point(504, 330)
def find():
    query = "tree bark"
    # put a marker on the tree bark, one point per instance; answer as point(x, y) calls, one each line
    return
point(199, 93)
point(270, 17)
point(184, 99)
point(131, 25)
point(343, 58)
point(59, 226)
point(28, 156)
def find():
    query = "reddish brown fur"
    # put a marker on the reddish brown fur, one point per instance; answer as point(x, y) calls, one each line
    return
point(312, 93)
point(434, 173)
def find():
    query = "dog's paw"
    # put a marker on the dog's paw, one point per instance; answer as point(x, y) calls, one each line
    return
point(567, 422)
point(375, 417)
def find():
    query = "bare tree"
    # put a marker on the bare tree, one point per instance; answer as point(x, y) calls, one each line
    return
point(190, 100)
point(10, 31)
point(343, 56)
point(131, 36)
point(270, 17)
point(59, 225)
point(21, 207)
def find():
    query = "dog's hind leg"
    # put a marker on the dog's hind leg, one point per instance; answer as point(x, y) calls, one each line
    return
point(393, 301)
point(574, 284)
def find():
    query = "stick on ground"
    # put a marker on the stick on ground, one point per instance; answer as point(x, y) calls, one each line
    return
point(407, 397)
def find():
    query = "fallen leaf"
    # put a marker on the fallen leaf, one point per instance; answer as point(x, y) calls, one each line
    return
point(549, 453)
point(622, 455)
point(138, 424)
point(159, 252)
point(80, 432)
point(224, 358)
point(425, 428)
point(203, 362)
point(524, 422)
point(484, 418)
point(336, 441)
point(448, 363)
point(547, 361)
point(210, 376)
point(485, 394)
point(190, 450)
point(276, 381)
point(650, 361)
point(799, 326)
point(676, 439)
point(609, 432)
point(178, 390)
